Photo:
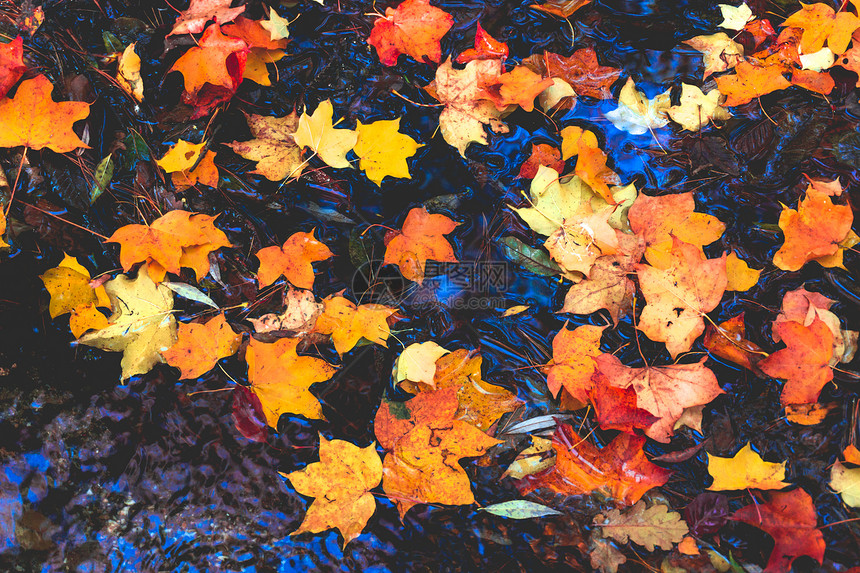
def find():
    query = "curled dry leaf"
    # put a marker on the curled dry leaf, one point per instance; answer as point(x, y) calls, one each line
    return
point(299, 316)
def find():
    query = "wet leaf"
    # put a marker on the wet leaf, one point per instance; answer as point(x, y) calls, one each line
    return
point(520, 509)
point(745, 470)
point(199, 346)
point(273, 147)
point(293, 260)
point(383, 150)
point(192, 20)
point(348, 323)
point(421, 238)
point(846, 482)
point(318, 133)
point(11, 64)
point(650, 527)
point(413, 28)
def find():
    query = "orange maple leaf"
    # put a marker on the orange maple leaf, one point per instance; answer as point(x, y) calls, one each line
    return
point(621, 469)
point(262, 49)
point(658, 219)
point(581, 70)
point(678, 293)
point(790, 518)
point(12, 64)
point(814, 230)
point(820, 24)
point(617, 408)
point(281, 379)
point(664, 391)
point(424, 443)
point(293, 260)
point(590, 160)
point(520, 86)
point(212, 70)
point(414, 28)
point(561, 8)
point(192, 20)
point(486, 48)
point(200, 346)
point(178, 239)
point(805, 361)
point(572, 365)
point(542, 154)
point(751, 81)
point(728, 341)
point(33, 119)
point(422, 238)
point(348, 323)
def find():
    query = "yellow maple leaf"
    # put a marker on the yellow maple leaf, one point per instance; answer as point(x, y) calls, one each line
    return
point(69, 286)
point(740, 276)
point(348, 323)
point(317, 132)
point(186, 167)
point(273, 147)
point(383, 150)
point(745, 470)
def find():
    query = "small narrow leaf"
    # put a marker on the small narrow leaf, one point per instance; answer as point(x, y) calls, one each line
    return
point(191, 293)
point(520, 509)
point(103, 176)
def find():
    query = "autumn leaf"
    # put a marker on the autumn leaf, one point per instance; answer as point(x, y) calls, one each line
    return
point(293, 260)
point(814, 230)
point(128, 73)
point(281, 379)
point(318, 133)
point(561, 8)
point(273, 147)
point(578, 243)
point(186, 167)
point(33, 119)
point(679, 294)
point(620, 470)
point(749, 82)
point(805, 362)
point(535, 458)
point(803, 306)
point(697, 109)
point(486, 48)
point(719, 52)
point(651, 527)
point(636, 114)
point(739, 276)
point(69, 286)
point(821, 24)
point(212, 70)
point(193, 20)
point(341, 482)
point(423, 443)
point(580, 70)
point(348, 323)
point(604, 556)
point(789, 517)
point(277, 26)
point(200, 346)
point(299, 316)
point(846, 482)
point(572, 363)
point(422, 238)
point(735, 17)
point(617, 408)
point(263, 49)
point(413, 28)
point(728, 341)
point(664, 391)
point(177, 239)
point(745, 470)
point(590, 160)
point(417, 363)
point(141, 326)
point(3, 243)
point(542, 154)
point(11, 64)
point(659, 219)
point(520, 86)
point(383, 150)
point(466, 109)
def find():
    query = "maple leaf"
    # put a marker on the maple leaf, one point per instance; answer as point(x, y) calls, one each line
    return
point(422, 238)
point(466, 109)
point(590, 160)
point(200, 346)
point(572, 366)
point(735, 17)
point(814, 230)
point(604, 556)
point(33, 119)
point(659, 219)
point(679, 294)
point(751, 81)
point(664, 391)
point(542, 154)
point(273, 147)
point(804, 363)
point(424, 443)
point(69, 286)
point(263, 49)
point(128, 73)
point(417, 363)
point(559, 92)
point(281, 379)
point(183, 161)
point(728, 341)
point(789, 517)
point(650, 527)
point(580, 70)
point(177, 239)
point(293, 260)
point(739, 276)
point(318, 133)
point(141, 326)
point(846, 482)
point(348, 323)
point(12, 64)
point(383, 150)
point(486, 48)
point(697, 109)
point(277, 26)
point(821, 24)
point(341, 482)
point(561, 8)
point(212, 70)
point(608, 285)
point(719, 52)
point(414, 28)
point(617, 408)
point(745, 470)
point(578, 243)
point(520, 86)
point(193, 20)
point(803, 306)
point(636, 114)
point(299, 317)
point(621, 469)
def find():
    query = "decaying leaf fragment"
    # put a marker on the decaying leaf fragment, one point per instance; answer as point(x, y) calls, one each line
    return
point(651, 527)
point(341, 482)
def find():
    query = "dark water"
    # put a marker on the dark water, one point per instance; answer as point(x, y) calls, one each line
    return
point(97, 476)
